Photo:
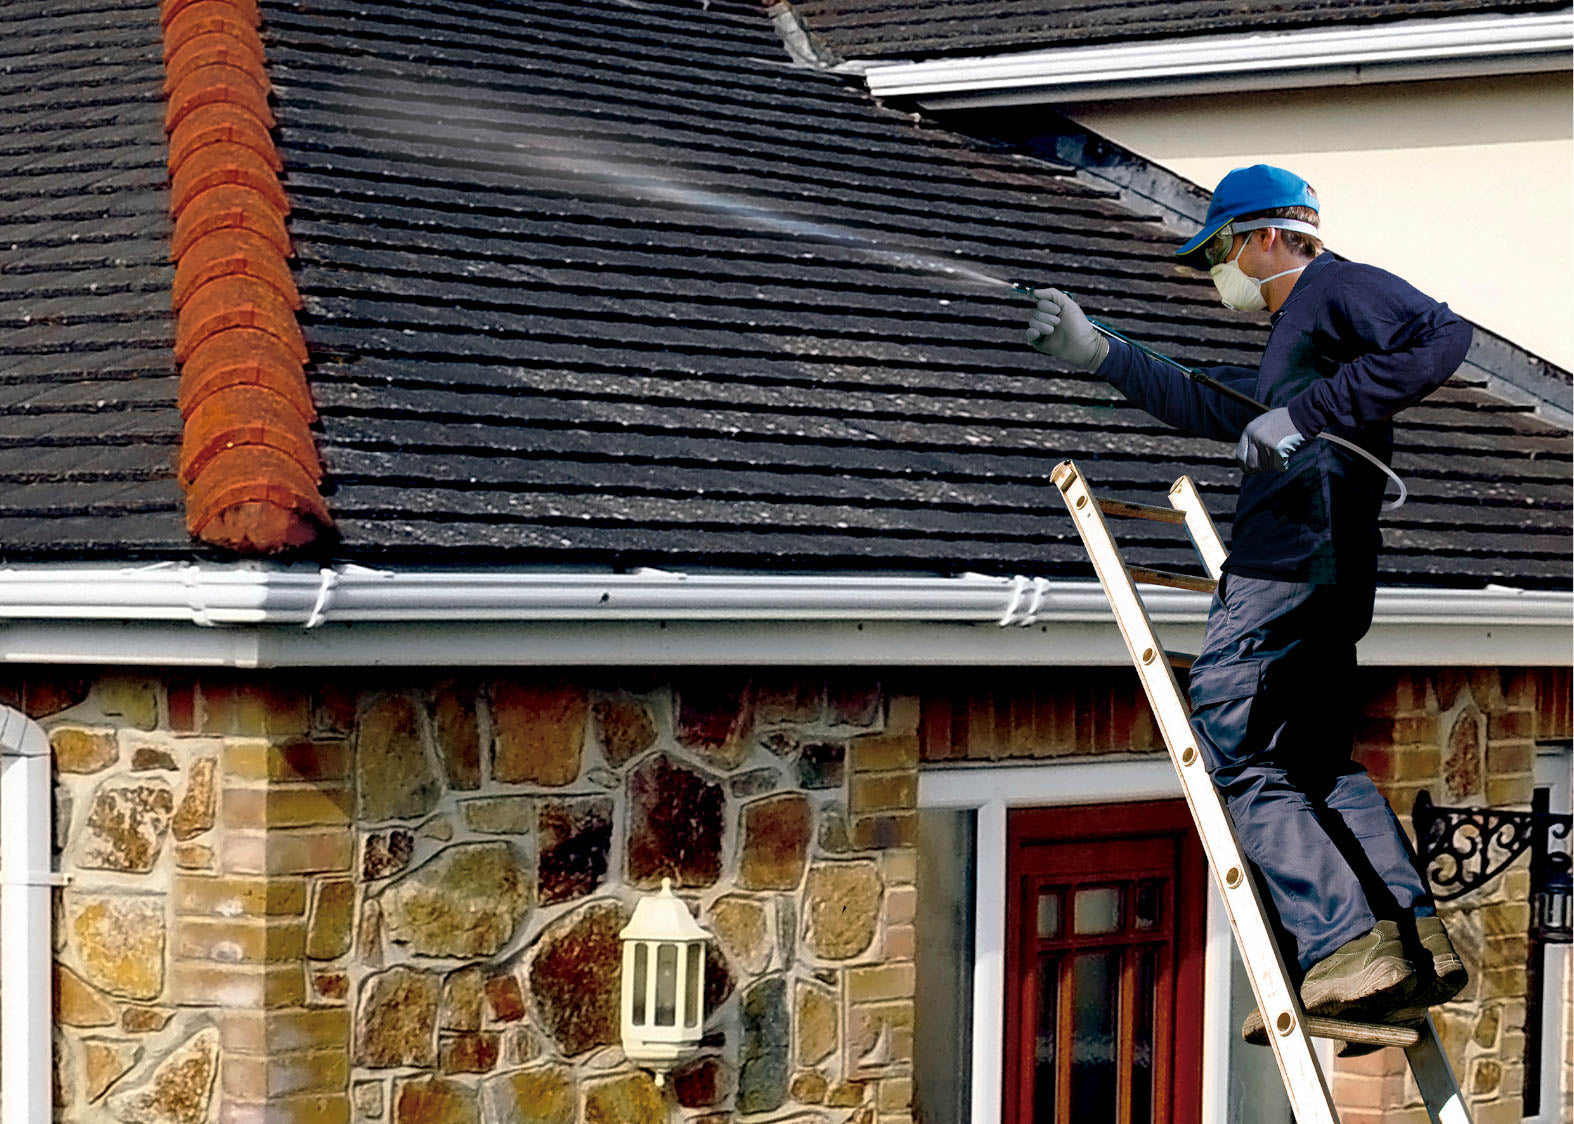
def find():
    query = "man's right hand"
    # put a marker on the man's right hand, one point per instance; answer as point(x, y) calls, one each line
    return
point(1057, 327)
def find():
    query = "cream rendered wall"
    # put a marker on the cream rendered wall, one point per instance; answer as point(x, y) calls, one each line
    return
point(1462, 187)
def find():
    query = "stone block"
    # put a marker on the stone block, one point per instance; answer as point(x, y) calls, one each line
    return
point(882, 832)
point(84, 751)
point(457, 734)
point(676, 819)
point(703, 1083)
point(1511, 757)
point(434, 1100)
point(895, 1094)
point(632, 1099)
point(333, 707)
point(499, 815)
point(1509, 790)
point(180, 1088)
point(239, 897)
point(901, 942)
point(1511, 725)
point(822, 765)
point(275, 1032)
point(119, 941)
point(715, 718)
point(467, 901)
point(105, 1061)
point(574, 978)
point(808, 1086)
point(1462, 761)
point(763, 1060)
point(396, 1024)
point(845, 1094)
point(539, 732)
point(573, 844)
point(884, 792)
point(386, 853)
point(545, 1095)
point(253, 708)
point(842, 905)
point(782, 700)
point(624, 727)
point(739, 924)
point(460, 1008)
point(756, 782)
point(240, 940)
point(472, 1052)
point(816, 1017)
point(133, 699)
point(199, 983)
point(884, 982)
point(126, 825)
point(332, 915)
point(395, 778)
point(145, 1020)
point(900, 867)
point(308, 851)
point(504, 998)
point(330, 986)
point(78, 1003)
point(294, 759)
point(879, 753)
point(880, 1035)
point(194, 814)
point(775, 842)
point(282, 805)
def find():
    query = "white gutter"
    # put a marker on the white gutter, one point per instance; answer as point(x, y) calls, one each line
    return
point(261, 615)
point(1421, 49)
point(26, 1061)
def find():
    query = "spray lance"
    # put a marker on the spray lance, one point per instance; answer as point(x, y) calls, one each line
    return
point(1213, 384)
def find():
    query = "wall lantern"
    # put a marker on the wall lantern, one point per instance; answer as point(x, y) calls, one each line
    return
point(663, 982)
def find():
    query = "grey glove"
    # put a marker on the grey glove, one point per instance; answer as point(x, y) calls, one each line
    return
point(1059, 328)
point(1268, 441)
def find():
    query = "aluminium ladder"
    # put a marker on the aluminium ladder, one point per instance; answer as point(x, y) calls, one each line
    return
point(1290, 1030)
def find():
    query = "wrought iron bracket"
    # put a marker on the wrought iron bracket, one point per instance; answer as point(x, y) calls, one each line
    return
point(1462, 849)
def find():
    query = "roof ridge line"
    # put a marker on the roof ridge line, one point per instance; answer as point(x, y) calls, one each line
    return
point(248, 460)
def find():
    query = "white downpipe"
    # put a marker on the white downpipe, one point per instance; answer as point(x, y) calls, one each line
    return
point(1419, 49)
point(26, 1034)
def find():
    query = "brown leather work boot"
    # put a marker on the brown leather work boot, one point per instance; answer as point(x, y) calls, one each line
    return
point(1365, 980)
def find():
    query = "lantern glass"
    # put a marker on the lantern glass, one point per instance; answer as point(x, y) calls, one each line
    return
point(641, 971)
point(691, 1002)
point(666, 985)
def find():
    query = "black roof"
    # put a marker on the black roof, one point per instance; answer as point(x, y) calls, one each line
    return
point(89, 430)
point(913, 29)
point(584, 285)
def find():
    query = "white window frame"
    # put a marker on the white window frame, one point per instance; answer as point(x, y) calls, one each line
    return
point(992, 790)
point(1552, 770)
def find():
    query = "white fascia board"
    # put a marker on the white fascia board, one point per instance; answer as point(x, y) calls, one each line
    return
point(1422, 49)
point(257, 615)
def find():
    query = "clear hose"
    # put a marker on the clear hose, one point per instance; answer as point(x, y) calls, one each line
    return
point(1386, 471)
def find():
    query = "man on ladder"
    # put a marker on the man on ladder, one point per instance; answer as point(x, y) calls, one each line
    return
point(1272, 691)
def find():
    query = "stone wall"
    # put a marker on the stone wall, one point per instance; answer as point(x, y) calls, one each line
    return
point(397, 899)
point(1467, 738)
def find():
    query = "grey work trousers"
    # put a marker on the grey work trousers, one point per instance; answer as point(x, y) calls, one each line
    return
point(1274, 708)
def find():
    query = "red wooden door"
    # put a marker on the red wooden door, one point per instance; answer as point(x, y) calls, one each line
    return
point(1105, 923)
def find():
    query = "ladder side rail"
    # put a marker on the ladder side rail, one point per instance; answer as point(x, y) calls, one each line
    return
point(1292, 1046)
point(1185, 498)
point(1435, 1078)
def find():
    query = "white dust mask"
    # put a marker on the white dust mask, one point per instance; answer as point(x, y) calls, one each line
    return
point(1239, 291)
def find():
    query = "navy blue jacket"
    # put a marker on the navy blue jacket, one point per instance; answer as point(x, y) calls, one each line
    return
point(1352, 346)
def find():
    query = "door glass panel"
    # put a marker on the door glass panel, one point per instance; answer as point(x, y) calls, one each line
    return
point(1048, 914)
point(1147, 976)
point(1095, 995)
point(1148, 905)
point(1044, 1062)
point(1098, 910)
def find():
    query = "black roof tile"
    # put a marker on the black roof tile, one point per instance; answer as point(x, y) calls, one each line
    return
point(913, 29)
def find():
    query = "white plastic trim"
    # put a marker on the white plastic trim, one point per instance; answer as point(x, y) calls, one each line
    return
point(26, 1034)
point(253, 615)
point(1403, 51)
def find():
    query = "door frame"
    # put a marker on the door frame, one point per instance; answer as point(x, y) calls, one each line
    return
point(1087, 825)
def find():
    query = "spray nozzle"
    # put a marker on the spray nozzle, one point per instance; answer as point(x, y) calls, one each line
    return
point(1022, 287)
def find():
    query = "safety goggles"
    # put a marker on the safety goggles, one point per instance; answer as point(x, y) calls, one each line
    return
point(1218, 247)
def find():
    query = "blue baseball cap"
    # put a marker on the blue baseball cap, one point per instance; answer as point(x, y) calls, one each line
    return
point(1262, 187)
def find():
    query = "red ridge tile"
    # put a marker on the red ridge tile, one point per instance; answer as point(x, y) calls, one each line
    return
point(221, 123)
point(229, 207)
point(248, 460)
point(228, 252)
point(216, 164)
point(245, 415)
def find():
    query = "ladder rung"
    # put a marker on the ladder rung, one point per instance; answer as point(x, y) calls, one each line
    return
point(1175, 581)
point(1180, 659)
point(1142, 511)
point(1374, 1034)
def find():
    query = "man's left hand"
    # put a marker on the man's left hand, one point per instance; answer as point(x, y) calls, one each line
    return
point(1268, 441)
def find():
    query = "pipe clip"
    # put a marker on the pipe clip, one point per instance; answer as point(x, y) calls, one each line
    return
point(37, 878)
point(1027, 599)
